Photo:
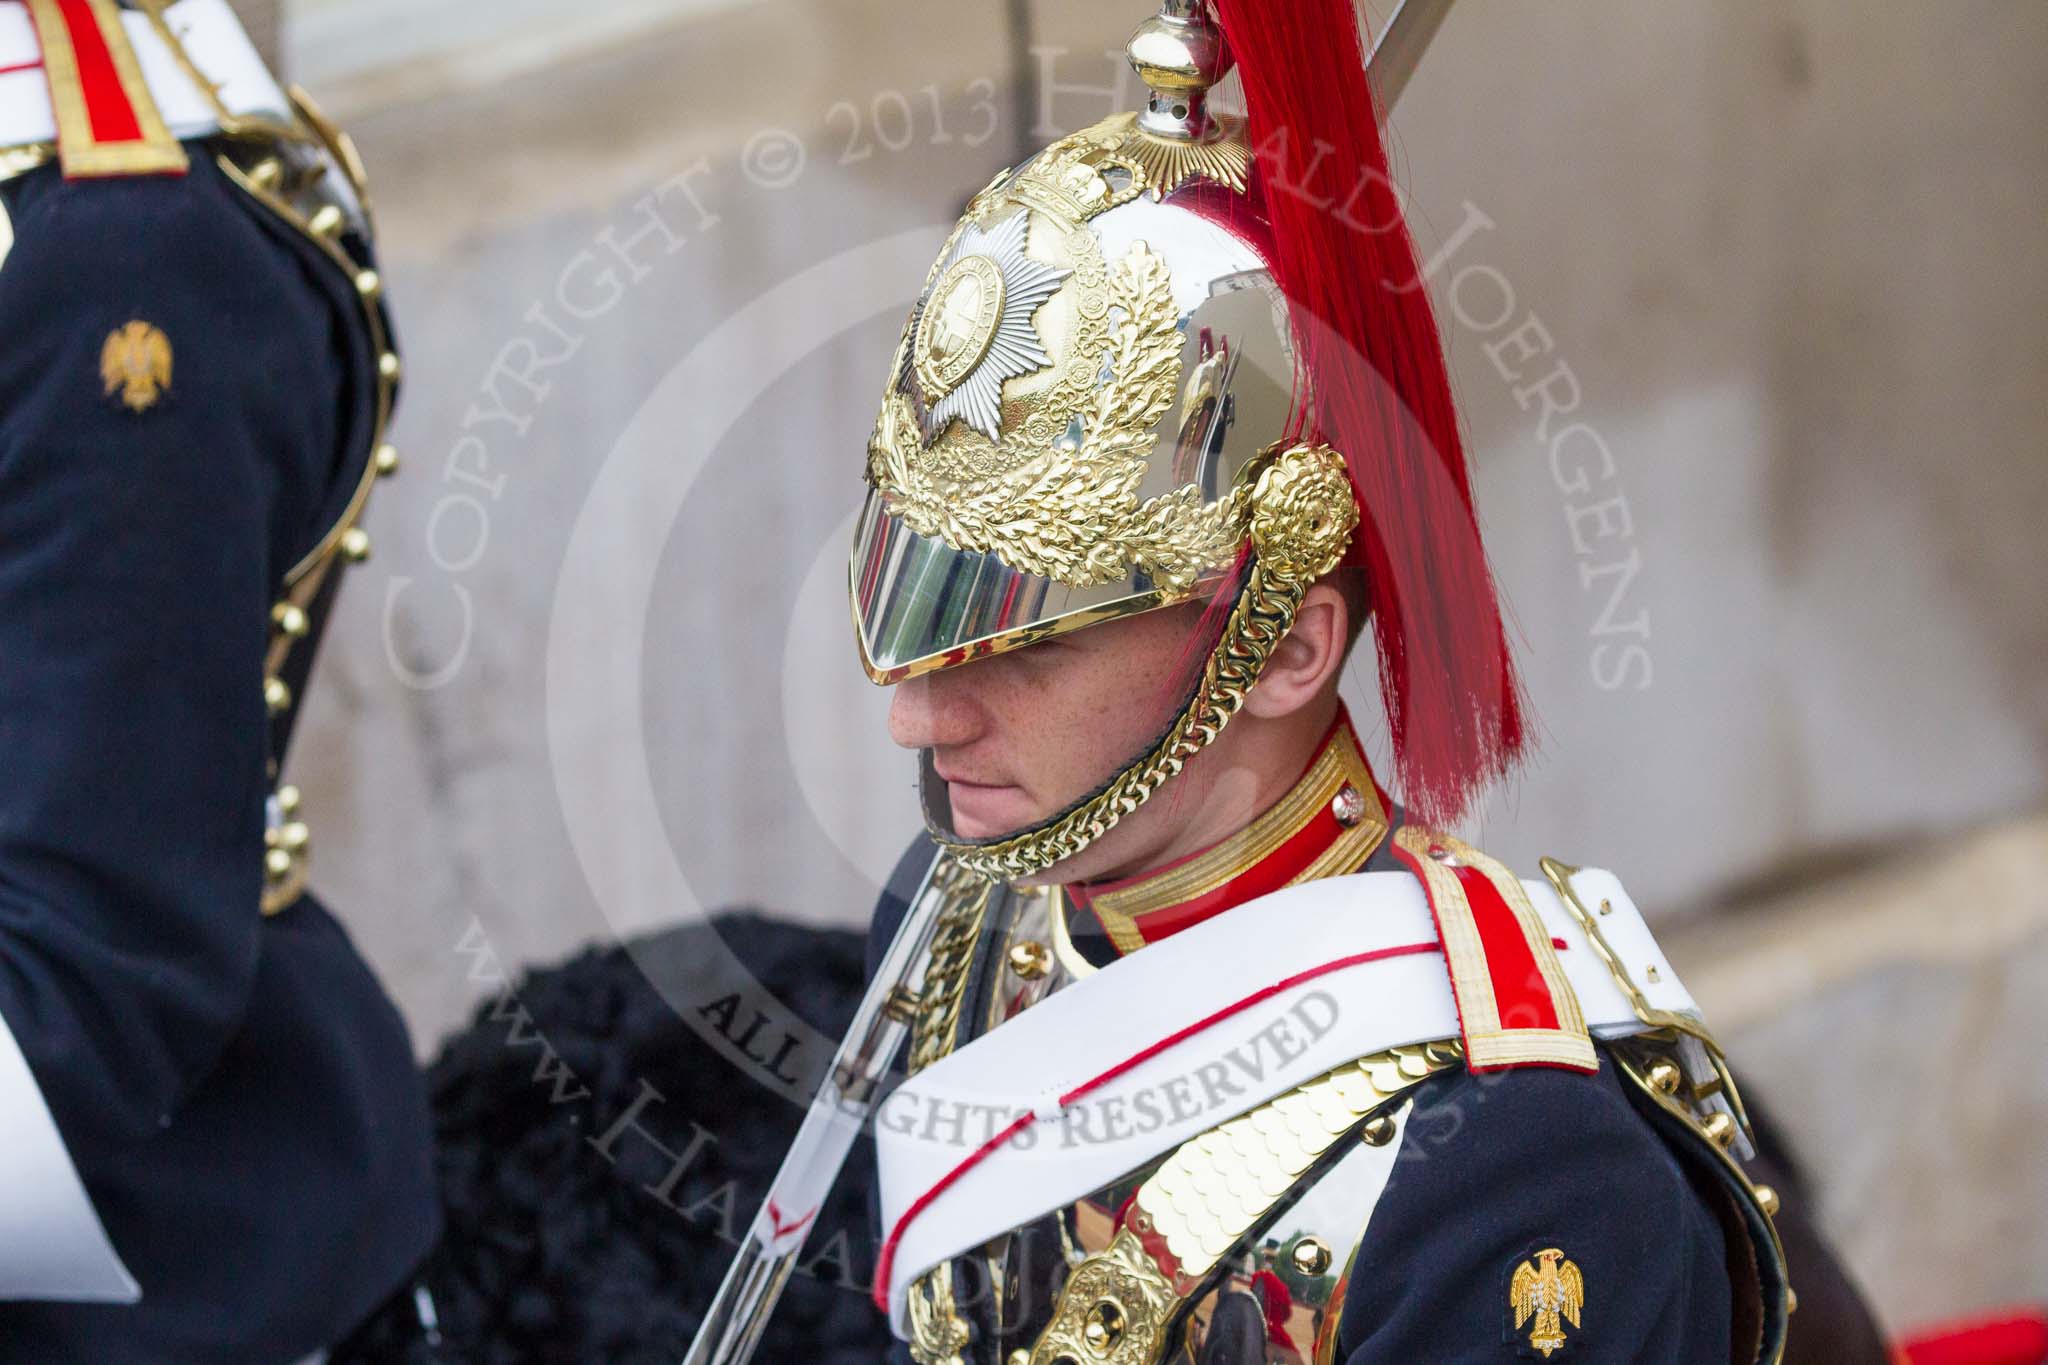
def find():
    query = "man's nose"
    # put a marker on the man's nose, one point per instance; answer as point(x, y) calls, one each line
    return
point(929, 712)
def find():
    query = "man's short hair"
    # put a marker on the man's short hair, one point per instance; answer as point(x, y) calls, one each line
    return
point(1350, 580)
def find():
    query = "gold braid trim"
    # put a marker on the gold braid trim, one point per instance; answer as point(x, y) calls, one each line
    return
point(153, 151)
point(952, 953)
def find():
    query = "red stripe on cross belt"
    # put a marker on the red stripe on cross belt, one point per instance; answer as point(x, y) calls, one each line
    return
point(107, 124)
point(1519, 990)
point(106, 103)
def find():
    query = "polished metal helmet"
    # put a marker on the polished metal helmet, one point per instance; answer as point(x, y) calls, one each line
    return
point(1099, 406)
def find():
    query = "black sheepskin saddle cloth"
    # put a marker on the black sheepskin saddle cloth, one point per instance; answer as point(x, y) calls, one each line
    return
point(582, 1229)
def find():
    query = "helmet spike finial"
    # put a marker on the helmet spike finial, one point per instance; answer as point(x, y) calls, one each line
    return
point(1180, 55)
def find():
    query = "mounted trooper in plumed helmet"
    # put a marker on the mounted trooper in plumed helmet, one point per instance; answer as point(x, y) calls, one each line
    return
point(1216, 1054)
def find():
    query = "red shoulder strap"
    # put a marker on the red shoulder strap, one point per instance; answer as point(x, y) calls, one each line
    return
point(107, 124)
point(1514, 1006)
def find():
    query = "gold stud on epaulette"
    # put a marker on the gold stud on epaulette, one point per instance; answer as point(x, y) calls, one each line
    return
point(276, 696)
point(387, 365)
point(1377, 1132)
point(1767, 1200)
point(266, 174)
point(288, 800)
point(327, 221)
point(355, 544)
point(369, 284)
point(1664, 1077)
point(291, 619)
point(277, 864)
point(386, 460)
point(1719, 1128)
point(1311, 1256)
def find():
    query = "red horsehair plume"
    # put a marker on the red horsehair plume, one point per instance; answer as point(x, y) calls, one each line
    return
point(1372, 383)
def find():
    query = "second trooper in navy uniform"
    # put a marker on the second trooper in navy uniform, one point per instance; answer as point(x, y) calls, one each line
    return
point(1219, 1055)
point(214, 1145)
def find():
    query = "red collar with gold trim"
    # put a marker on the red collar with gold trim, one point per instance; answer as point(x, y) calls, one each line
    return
point(1327, 824)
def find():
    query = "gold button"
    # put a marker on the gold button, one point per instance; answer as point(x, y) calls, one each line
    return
point(1378, 1132)
point(368, 284)
point(1030, 959)
point(355, 544)
point(1310, 1256)
point(1719, 1128)
point(277, 864)
point(276, 696)
point(1348, 805)
point(290, 619)
point(386, 460)
point(1767, 1200)
point(1664, 1077)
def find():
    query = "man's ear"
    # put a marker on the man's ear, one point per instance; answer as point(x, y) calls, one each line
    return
point(1307, 659)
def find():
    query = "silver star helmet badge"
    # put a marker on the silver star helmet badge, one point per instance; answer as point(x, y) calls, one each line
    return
point(974, 329)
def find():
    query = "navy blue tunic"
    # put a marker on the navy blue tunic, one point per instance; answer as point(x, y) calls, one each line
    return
point(1495, 1168)
point(238, 1093)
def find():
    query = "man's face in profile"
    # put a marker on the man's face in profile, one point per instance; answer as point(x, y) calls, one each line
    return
point(1018, 737)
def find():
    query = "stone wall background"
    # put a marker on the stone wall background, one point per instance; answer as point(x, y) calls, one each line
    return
point(1789, 255)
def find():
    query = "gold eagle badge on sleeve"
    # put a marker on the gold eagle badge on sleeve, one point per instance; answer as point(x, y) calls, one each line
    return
point(1552, 1290)
point(136, 361)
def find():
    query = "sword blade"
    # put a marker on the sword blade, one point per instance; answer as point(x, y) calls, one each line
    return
point(739, 1312)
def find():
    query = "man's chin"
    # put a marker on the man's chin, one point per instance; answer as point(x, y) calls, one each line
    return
point(983, 813)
